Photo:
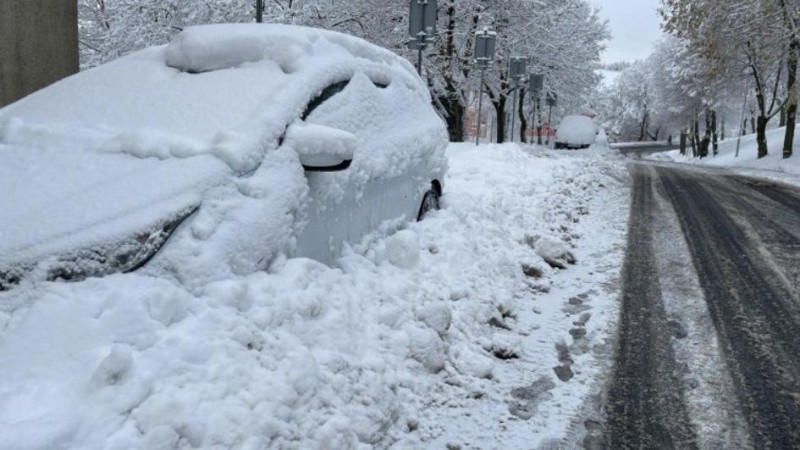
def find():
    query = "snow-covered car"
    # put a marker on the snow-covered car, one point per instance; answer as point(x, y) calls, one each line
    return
point(214, 155)
point(575, 132)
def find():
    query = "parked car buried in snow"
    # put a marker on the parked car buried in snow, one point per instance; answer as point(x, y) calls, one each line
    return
point(575, 132)
point(215, 154)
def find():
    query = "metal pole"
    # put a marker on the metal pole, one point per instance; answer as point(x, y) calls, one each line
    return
point(480, 106)
point(531, 127)
point(514, 113)
point(421, 44)
point(259, 11)
point(744, 106)
point(538, 125)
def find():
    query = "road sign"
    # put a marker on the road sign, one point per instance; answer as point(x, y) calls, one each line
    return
point(517, 68)
point(535, 83)
point(421, 23)
point(484, 47)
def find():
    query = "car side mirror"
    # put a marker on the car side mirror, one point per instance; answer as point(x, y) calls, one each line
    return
point(321, 148)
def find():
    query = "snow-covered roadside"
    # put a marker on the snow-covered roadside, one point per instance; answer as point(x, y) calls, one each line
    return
point(565, 320)
point(773, 166)
point(445, 333)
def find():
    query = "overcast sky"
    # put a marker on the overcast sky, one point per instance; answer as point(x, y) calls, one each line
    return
point(634, 27)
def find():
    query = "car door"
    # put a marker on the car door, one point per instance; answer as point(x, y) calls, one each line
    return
point(345, 206)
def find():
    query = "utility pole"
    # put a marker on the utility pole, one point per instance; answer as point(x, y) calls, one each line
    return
point(552, 100)
point(484, 57)
point(259, 11)
point(535, 85)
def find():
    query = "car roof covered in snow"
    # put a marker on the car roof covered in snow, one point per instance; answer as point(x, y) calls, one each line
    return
point(224, 90)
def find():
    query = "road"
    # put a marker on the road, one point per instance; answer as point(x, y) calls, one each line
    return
point(708, 353)
point(642, 148)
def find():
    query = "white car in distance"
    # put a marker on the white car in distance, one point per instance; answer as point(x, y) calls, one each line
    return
point(575, 132)
point(214, 154)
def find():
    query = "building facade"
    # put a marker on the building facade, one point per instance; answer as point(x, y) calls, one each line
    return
point(38, 45)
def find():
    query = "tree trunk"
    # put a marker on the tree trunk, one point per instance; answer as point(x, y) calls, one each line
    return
point(761, 136)
point(523, 121)
point(538, 122)
point(653, 136)
point(454, 116)
point(696, 151)
point(791, 104)
point(714, 142)
point(744, 127)
point(683, 142)
point(500, 114)
point(752, 124)
point(451, 101)
point(722, 129)
point(643, 129)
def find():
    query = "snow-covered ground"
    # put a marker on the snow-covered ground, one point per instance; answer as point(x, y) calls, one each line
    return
point(773, 166)
point(451, 333)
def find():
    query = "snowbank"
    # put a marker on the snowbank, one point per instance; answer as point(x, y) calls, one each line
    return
point(772, 166)
point(426, 337)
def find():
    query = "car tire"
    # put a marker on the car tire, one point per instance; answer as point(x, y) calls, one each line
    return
point(430, 202)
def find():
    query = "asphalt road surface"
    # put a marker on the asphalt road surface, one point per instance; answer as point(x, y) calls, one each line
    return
point(643, 148)
point(708, 353)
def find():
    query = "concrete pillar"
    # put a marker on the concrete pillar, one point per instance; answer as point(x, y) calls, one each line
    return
point(38, 45)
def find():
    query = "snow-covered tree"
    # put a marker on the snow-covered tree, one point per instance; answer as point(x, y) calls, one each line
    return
point(564, 38)
point(737, 37)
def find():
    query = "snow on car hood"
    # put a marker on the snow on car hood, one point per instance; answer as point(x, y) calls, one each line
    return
point(224, 90)
point(57, 201)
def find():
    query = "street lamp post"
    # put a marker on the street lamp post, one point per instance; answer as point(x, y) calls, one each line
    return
point(516, 72)
point(421, 26)
point(259, 11)
point(484, 57)
point(535, 85)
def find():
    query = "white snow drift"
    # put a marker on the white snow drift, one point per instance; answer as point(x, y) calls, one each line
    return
point(396, 348)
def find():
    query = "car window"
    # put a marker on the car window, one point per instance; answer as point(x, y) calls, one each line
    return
point(332, 90)
point(326, 93)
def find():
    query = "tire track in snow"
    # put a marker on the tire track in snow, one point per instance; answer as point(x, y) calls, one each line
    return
point(710, 392)
point(645, 406)
point(758, 330)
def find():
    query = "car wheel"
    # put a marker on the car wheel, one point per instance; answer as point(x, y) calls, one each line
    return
point(430, 202)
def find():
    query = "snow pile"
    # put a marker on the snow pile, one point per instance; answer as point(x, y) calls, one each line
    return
point(422, 338)
point(554, 252)
point(773, 165)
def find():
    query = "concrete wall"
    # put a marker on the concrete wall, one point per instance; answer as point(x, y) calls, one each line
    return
point(38, 45)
